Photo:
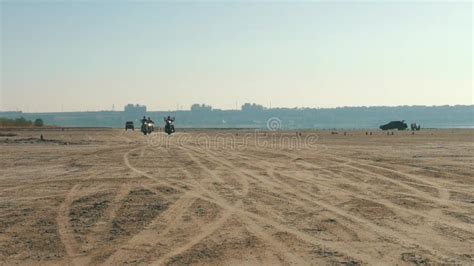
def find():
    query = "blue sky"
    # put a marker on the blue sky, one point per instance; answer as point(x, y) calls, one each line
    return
point(92, 55)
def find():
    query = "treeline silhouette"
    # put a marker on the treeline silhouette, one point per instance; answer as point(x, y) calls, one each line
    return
point(20, 122)
point(256, 116)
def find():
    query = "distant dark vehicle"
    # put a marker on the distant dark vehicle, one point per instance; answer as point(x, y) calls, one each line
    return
point(129, 125)
point(169, 127)
point(415, 126)
point(400, 125)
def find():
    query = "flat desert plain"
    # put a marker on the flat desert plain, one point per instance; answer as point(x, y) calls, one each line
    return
point(106, 196)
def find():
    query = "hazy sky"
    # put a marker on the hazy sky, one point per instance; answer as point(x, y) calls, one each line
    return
point(90, 55)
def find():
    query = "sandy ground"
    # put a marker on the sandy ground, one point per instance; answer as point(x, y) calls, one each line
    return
point(231, 198)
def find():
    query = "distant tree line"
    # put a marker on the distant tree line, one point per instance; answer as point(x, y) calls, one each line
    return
point(20, 122)
point(256, 116)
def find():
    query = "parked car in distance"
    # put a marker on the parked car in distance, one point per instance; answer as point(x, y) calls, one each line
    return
point(129, 125)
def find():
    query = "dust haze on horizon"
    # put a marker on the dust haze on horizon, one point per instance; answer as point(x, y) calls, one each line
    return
point(58, 56)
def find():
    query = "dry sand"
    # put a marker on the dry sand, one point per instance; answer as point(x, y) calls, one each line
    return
point(113, 197)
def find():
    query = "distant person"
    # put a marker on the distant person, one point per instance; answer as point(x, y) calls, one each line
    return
point(143, 120)
point(149, 120)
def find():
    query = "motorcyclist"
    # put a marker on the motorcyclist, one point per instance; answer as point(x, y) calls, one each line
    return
point(149, 120)
point(169, 127)
point(143, 120)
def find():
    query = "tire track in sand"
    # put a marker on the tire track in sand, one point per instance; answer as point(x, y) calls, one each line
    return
point(211, 227)
point(367, 168)
point(65, 232)
point(175, 212)
point(63, 224)
point(162, 181)
point(432, 218)
point(364, 223)
point(148, 238)
point(248, 216)
point(111, 212)
point(254, 228)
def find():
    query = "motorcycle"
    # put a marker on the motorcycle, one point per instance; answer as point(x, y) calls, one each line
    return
point(147, 128)
point(169, 127)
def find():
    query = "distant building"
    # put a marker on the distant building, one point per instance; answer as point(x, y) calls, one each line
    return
point(252, 107)
point(136, 109)
point(200, 108)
